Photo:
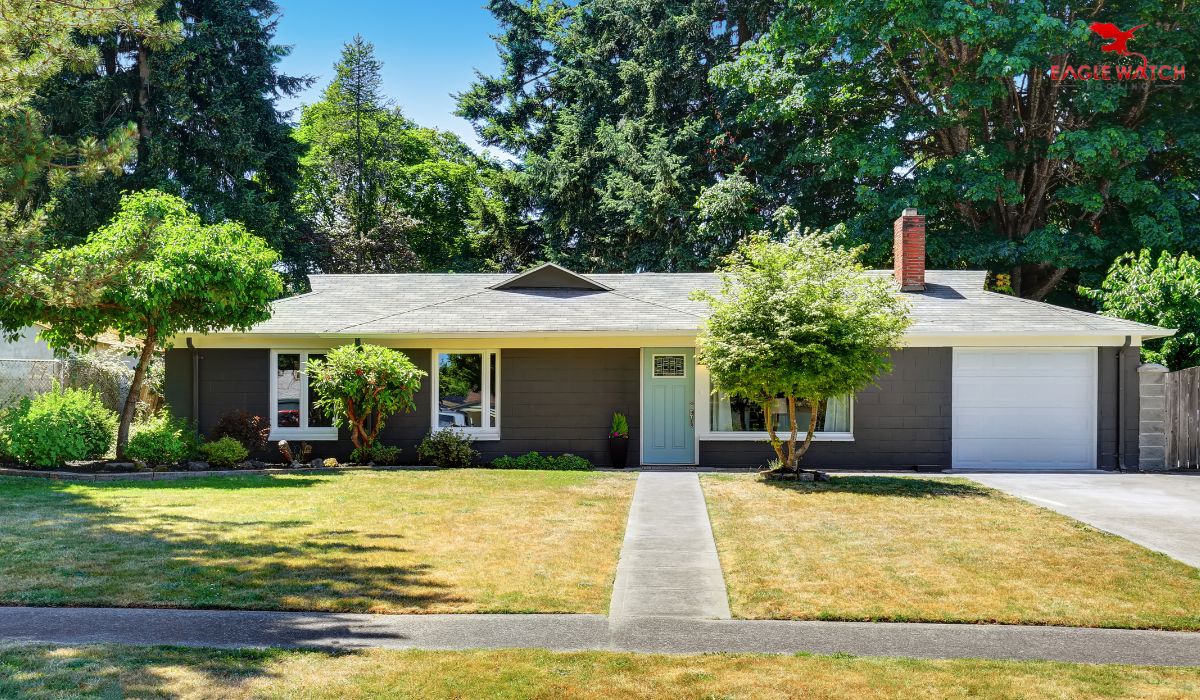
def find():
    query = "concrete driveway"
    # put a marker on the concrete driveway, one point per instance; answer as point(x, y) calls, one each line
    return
point(1158, 511)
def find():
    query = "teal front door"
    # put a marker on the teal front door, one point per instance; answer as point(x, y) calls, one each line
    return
point(669, 406)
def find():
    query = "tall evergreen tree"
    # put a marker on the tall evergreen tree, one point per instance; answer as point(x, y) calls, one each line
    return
point(206, 117)
point(380, 193)
point(630, 155)
point(38, 42)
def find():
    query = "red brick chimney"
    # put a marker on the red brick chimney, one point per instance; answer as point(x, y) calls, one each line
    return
point(908, 249)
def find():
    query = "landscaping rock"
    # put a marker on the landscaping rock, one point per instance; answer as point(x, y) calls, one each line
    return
point(257, 464)
point(197, 466)
point(317, 463)
point(122, 466)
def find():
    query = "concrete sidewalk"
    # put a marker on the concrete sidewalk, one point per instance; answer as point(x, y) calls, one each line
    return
point(232, 629)
point(669, 565)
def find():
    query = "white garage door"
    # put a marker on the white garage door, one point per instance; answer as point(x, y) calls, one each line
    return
point(1024, 408)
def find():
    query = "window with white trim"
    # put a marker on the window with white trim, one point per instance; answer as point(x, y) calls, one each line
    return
point(293, 413)
point(736, 418)
point(466, 392)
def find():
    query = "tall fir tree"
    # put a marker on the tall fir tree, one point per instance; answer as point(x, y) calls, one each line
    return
point(207, 123)
point(632, 159)
point(39, 40)
point(381, 194)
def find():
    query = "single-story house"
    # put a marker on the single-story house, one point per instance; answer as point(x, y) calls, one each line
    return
point(540, 360)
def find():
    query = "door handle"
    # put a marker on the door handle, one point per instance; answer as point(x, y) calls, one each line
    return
point(692, 414)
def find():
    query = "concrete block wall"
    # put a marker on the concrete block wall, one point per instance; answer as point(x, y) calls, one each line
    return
point(1152, 418)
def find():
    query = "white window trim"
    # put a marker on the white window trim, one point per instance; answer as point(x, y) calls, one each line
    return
point(481, 434)
point(703, 432)
point(300, 433)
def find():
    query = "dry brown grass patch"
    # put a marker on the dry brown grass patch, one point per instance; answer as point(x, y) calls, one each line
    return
point(933, 549)
point(395, 542)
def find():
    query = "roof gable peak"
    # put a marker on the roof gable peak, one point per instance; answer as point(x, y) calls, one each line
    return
point(550, 276)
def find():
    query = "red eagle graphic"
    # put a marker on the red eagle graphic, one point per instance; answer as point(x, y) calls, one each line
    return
point(1108, 30)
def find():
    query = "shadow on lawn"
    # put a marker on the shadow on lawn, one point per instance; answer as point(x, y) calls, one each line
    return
point(887, 486)
point(60, 547)
point(38, 672)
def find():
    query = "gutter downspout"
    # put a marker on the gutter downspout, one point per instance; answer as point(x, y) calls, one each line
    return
point(1121, 404)
point(195, 381)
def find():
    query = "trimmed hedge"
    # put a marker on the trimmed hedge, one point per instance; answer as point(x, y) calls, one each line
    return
point(535, 460)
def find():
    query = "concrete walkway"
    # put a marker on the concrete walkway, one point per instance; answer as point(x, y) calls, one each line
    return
point(669, 565)
point(232, 629)
point(1158, 511)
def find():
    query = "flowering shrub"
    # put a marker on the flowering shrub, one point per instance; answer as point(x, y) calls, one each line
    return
point(360, 386)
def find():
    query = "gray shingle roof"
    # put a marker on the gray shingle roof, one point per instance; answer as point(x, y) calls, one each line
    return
point(954, 303)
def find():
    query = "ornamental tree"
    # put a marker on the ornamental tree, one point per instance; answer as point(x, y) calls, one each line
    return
point(359, 386)
point(1164, 293)
point(801, 320)
point(167, 272)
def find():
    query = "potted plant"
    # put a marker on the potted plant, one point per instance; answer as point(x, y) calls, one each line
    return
point(618, 441)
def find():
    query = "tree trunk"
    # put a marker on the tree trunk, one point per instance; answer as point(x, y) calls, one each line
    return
point(135, 388)
point(791, 450)
point(143, 99)
point(815, 406)
point(775, 441)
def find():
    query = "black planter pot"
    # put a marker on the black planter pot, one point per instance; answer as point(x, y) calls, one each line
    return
point(618, 451)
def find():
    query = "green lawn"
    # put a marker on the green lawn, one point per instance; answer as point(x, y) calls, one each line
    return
point(932, 549)
point(396, 542)
point(42, 673)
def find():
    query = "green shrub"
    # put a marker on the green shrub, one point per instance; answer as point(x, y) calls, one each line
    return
point(161, 440)
point(60, 425)
point(447, 448)
point(533, 460)
point(225, 452)
point(250, 430)
point(620, 426)
point(6, 454)
point(377, 454)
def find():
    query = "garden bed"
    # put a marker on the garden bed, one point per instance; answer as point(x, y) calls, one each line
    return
point(103, 473)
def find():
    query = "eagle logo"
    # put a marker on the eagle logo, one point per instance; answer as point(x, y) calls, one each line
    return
point(1108, 30)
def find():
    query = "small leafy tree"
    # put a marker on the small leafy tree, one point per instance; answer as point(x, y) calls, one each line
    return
point(1166, 293)
point(798, 319)
point(359, 386)
point(170, 273)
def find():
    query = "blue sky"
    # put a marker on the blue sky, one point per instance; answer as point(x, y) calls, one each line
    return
point(428, 49)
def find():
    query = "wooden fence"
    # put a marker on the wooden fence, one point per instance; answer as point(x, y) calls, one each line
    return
point(1183, 419)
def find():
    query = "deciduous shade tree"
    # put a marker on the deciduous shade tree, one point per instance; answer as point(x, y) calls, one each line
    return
point(798, 320)
point(950, 106)
point(360, 386)
point(1164, 293)
point(382, 194)
point(170, 273)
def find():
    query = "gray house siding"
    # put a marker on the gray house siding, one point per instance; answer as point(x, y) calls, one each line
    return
point(902, 422)
point(240, 379)
point(556, 401)
point(562, 400)
point(1106, 400)
point(552, 401)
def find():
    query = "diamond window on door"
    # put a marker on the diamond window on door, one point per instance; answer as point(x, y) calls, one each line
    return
point(669, 366)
